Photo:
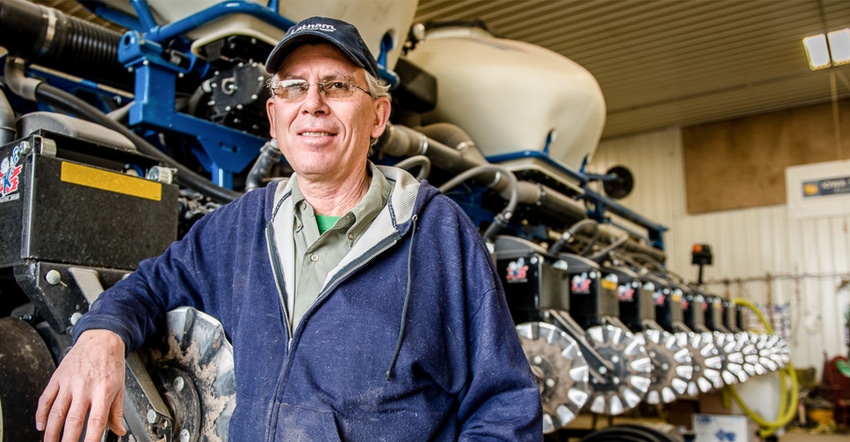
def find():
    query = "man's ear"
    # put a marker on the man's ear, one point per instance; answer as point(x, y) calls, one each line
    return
point(382, 115)
point(270, 114)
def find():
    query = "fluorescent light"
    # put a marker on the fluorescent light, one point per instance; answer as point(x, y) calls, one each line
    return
point(839, 46)
point(817, 51)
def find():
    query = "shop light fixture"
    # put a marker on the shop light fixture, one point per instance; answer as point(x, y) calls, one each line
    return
point(832, 49)
point(839, 46)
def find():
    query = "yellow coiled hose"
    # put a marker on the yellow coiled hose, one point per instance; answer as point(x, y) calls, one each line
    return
point(788, 403)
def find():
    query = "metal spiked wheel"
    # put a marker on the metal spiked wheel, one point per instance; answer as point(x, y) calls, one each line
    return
point(733, 358)
point(707, 362)
point(193, 364)
point(672, 368)
point(752, 365)
point(773, 351)
point(622, 388)
point(560, 370)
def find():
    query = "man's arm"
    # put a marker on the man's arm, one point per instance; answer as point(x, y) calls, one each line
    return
point(502, 401)
point(89, 380)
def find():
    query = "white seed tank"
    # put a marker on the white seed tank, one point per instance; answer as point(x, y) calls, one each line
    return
point(375, 19)
point(511, 96)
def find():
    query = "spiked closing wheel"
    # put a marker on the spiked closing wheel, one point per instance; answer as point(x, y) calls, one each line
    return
point(560, 370)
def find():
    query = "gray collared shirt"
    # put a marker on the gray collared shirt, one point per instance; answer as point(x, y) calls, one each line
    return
point(316, 255)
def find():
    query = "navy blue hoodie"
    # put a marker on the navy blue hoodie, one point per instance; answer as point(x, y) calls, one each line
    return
point(458, 374)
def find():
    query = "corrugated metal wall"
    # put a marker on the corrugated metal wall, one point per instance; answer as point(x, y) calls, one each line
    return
point(759, 254)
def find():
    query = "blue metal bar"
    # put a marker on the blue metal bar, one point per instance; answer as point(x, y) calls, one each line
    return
point(655, 230)
point(230, 151)
point(274, 5)
point(572, 173)
point(118, 17)
point(163, 33)
point(623, 211)
point(144, 13)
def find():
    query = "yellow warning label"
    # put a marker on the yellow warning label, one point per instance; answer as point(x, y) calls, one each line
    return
point(111, 181)
point(610, 285)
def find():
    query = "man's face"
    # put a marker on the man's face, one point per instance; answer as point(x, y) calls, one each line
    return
point(325, 140)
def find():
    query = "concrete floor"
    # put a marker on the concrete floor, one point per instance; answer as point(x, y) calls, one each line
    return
point(793, 436)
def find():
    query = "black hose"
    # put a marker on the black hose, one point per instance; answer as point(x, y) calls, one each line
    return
point(261, 170)
point(631, 432)
point(186, 177)
point(8, 131)
point(50, 38)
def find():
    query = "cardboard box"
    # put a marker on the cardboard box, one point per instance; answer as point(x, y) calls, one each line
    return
point(723, 428)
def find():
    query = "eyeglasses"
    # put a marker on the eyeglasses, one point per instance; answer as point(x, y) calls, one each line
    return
point(296, 89)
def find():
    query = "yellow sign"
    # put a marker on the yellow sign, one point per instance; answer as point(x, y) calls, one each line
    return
point(111, 181)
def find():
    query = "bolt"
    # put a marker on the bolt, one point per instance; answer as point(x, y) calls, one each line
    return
point(185, 435)
point(151, 416)
point(616, 380)
point(53, 277)
point(615, 359)
point(665, 366)
point(76, 317)
point(603, 370)
point(254, 97)
point(538, 360)
point(550, 382)
point(179, 383)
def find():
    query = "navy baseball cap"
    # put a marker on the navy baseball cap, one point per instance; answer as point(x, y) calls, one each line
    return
point(324, 30)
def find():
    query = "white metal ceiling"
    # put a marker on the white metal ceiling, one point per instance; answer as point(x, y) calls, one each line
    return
point(675, 62)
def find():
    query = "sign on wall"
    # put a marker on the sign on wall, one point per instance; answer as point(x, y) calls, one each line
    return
point(818, 190)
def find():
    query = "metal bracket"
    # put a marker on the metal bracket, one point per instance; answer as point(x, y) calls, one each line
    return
point(88, 282)
point(146, 414)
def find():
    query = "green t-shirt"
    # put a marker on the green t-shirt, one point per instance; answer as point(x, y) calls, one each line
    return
point(326, 222)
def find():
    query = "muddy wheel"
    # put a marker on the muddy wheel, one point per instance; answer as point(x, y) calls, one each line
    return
point(25, 368)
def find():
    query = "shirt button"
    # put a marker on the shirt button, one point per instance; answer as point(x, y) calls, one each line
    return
point(351, 236)
point(303, 205)
point(314, 257)
point(298, 227)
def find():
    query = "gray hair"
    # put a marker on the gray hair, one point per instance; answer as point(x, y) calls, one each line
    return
point(377, 88)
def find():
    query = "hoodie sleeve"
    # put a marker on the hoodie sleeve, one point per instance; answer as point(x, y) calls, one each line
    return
point(502, 401)
point(191, 272)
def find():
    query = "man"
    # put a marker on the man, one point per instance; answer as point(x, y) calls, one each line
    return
point(361, 304)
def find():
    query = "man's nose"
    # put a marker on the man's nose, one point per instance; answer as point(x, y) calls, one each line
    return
point(314, 102)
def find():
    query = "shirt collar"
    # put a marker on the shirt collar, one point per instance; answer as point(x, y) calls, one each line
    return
point(364, 212)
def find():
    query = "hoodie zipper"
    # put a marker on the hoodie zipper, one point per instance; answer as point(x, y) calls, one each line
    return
point(379, 248)
point(277, 271)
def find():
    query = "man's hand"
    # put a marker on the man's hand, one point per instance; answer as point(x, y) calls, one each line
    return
point(90, 379)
